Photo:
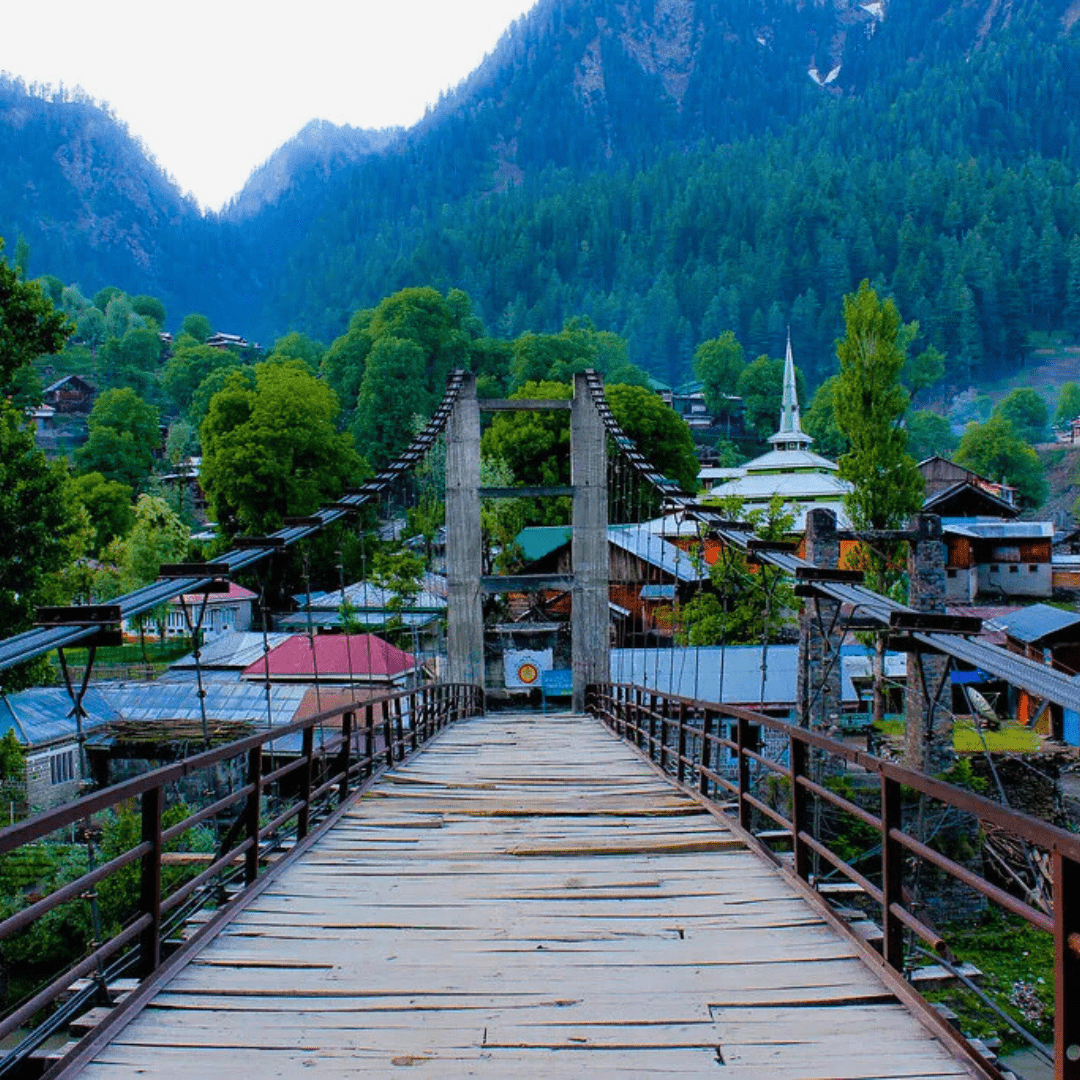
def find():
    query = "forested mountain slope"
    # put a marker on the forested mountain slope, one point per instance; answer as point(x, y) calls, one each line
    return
point(673, 168)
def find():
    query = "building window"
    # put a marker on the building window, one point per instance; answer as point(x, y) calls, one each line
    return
point(1014, 569)
point(1033, 568)
point(994, 568)
point(62, 767)
point(951, 573)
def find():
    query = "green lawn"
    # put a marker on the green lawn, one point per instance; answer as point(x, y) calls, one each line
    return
point(1009, 738)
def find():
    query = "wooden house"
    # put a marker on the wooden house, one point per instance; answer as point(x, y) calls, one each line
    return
point(71, 394)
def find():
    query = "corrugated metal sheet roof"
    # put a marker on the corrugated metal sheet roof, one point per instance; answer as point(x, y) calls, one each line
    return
point(41, 715)
point(235, 649)
point(695, 673)
point(539, 540)
point(998, 530)
point(224, 701)
point(340, 656)
point(641, 541)
point(1038, 621)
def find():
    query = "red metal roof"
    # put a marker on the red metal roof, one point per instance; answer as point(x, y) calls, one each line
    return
point(236, 592)
point(371, 658)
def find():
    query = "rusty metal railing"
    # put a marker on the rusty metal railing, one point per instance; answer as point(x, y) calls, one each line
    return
point(686, 739)
point(282, 793)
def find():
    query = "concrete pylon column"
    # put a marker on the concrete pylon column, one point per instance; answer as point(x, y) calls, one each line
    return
point(818, 683)
point(464, 563)
point(927, 701)
point(589, 619)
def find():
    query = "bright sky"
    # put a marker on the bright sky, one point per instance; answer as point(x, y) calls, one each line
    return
point(213, 87)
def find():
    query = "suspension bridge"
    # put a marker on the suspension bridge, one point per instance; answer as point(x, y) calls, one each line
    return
point(645, 886)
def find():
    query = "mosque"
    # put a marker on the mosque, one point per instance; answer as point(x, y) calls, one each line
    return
point(803, 479)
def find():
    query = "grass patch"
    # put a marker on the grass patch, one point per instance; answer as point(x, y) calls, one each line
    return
point(131, 653)
point(891, 728)
point(1010, 738)
point(1017, 962)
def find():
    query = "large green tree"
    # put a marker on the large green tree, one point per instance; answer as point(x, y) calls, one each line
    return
point(870, 408)
point(108, 504)
point(887, 487)
point(29, 326)
point(1026, 410)
point(718, 363)
point(1068, 407)
point(660, 433)
point(272, 450)
point(124, 434)
point(819, 420)
point(36, 521)
point(761, 387)
point(995, 450)
point(929, 433)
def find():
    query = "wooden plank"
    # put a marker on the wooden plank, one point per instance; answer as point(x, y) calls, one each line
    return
point(490, 909)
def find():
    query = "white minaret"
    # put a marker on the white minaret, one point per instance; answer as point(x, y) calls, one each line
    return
point(790, 436)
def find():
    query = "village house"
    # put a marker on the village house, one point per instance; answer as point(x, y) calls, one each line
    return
point(1052, 637)
point(71, 394)
point(996, 558)
point(224, 612)
point(41, 722)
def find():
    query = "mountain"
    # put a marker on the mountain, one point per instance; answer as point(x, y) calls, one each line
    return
point(668, 168)
point(319, 150)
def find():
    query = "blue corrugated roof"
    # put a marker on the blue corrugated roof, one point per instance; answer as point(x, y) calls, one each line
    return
point(40, 715)
point(641, 541)
point(1033, 623)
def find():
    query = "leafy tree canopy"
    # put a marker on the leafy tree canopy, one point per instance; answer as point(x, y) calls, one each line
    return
point(660, 433)
point(1068, 408)
point(761, 387)
point(103, 297)
point(149, 307)
point(189, 366)
point(123, 436)
point(578, 346)
point(819, 420)
point(36, 521)
point(29, 327)
point(995, 450)
point(108, 503)
point(1026, 410)
point(197, 326)
point(296, 346)
point(929, 433)
point(718, 363)
point(273, 451)
point(870, 407)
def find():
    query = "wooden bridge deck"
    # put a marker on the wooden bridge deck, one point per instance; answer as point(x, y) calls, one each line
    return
point(527, 897)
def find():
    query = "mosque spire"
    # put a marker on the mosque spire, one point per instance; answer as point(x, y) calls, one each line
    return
point(790, 434)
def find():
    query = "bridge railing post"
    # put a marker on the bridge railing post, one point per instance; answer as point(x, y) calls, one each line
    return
point(662, 723)
point(892, 873)
point(150, 885)
point(680, 768)
point(742, 740)
point(1067, 972)
point(388, 735)
point(800, 818)
point(307, 752)
point(399, 733)
point(418, 715)
point(705, 757)
point(369, 741)
point(345, 759)
point(251, 815)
